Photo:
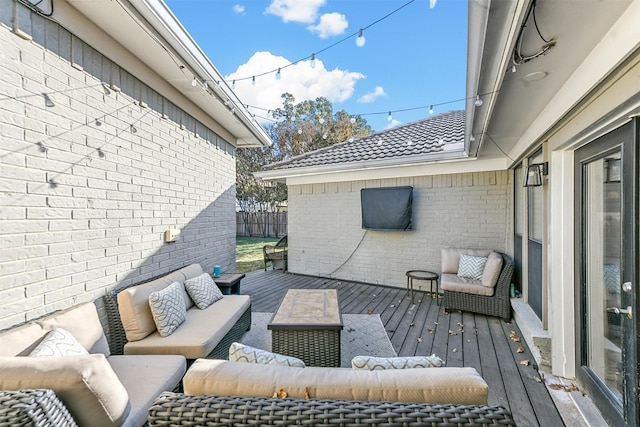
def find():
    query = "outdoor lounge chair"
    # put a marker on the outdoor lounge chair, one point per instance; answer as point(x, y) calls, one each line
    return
point(276, 254)
point(476, 295)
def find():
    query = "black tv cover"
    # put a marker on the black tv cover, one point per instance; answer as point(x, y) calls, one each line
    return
point(387, 208)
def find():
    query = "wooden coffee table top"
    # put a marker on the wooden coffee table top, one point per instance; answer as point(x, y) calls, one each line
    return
point(311, 308)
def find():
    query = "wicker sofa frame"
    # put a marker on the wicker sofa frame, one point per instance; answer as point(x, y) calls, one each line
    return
point(33, 407)
point(117, 337)
point(498, 304)
point(176, 409)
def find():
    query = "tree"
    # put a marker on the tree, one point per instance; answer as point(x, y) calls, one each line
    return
point(297, 129)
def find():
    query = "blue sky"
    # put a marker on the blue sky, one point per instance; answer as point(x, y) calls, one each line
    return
point(415, 57)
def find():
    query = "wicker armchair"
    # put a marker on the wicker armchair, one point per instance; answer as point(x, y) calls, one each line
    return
point(174, 409)
point(276, 254)
point(498, 304)
point(34, 407)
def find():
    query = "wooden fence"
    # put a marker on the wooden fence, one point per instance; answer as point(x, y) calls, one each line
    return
point(261, 224)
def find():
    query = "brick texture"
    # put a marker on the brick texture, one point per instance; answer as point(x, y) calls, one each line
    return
point(90, 180)
point(469, 210)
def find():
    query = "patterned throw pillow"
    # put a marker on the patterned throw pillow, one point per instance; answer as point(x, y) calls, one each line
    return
point(59, 342)
point(203, 290)
point(244, 353)
point(168, 309)
point(373, 363)
point(471, 266)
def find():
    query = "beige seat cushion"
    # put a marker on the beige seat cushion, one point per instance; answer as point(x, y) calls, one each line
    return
point(450, 258)
point(87, 385)
point(198, 335)
point(21, 340)
point(133, 302)
point(144, 378)
point(452, 282)
point(442, 385)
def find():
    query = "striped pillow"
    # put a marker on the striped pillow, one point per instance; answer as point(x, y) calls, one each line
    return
point(59, 342)
point(244, 353)
point(374, 363)
point(471, 267)
point(168, 309)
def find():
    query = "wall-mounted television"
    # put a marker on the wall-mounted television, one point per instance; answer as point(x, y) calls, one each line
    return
point(387, 208)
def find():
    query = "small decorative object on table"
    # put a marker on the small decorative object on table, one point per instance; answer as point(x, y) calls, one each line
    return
point(216, 271)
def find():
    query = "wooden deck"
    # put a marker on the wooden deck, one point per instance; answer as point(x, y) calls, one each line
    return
point(422, 328)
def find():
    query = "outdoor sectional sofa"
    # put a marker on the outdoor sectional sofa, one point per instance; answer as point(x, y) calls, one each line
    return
point(204, 333)
point(223, 393)
point(95, 389)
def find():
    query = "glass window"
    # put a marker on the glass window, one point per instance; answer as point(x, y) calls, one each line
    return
point(519, 194)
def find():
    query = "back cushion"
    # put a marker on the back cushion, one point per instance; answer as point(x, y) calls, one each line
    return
point(451, 258)
point(492, 270)
point(21, 340)
point(87, 385)
point(83, 322)
point(133, 304)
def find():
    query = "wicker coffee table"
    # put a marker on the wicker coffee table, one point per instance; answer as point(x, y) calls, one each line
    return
point(307, 325)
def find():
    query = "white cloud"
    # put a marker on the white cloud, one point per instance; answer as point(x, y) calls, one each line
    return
point(304, 11)
point(393, 123)
point(370, 97)
point(331, 24)
point(239, 9)
point(302, 81)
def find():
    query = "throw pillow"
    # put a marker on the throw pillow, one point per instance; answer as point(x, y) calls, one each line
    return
point(167, 308)
point(244, 353)
point(374, 363)
point(59, 342)
point(471, 266)
point(203, 290)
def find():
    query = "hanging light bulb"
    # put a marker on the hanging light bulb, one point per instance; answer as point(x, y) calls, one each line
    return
point(513, 69)
point(352, 120)
point(430, 109)
point(233, 110)
point(360, 41)
point(205, 85)
point(351, 139)
point(321, 121)
point(324, 136)
point(312, 64)
point(233, 84)
point(432, 3)
point(479, 101)
point(194, 82)
point(472, 138)
point(299, 131)
point(278, 74)
point(253, 80)
point(389, 117)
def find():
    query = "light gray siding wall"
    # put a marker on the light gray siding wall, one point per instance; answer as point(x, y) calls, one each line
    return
point(90, 178)
point(470, 210)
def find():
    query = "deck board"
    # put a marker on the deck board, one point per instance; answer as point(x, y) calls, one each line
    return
point(422, 328)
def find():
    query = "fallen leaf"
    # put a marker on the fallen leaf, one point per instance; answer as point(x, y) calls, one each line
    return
point(430, 330)
point(520, 349)
point(460, 324)
point(282, 394)
point(452, 333)
point(392, 306)
point(455, 350)
point(435, 323)
point(555, 386)
point(537, 379)
point(461, 331)
point(306, 392)
point(514, 337)
point(419, 339)
point(411, 324)
point(369, 311)
point(525, 362)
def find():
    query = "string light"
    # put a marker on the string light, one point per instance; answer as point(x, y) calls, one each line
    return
point(430, 109)
point(479, 101)
point(313, 60)
point(233, 84)
point(277, 74)
point(352, 120)
point(205, 85)
point(253, 80)
point(360, 41)
point(389, 117)
point(194, 82)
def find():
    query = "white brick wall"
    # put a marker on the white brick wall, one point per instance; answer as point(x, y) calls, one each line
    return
point(84, 200)
point(469, 210)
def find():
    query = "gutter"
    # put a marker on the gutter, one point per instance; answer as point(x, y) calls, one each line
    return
point(164, 21)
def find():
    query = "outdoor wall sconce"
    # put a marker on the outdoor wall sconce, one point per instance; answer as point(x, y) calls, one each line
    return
point(611, 170)
point(534, 173)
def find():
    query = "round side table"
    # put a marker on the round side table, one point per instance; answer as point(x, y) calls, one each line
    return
point(423, 275)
